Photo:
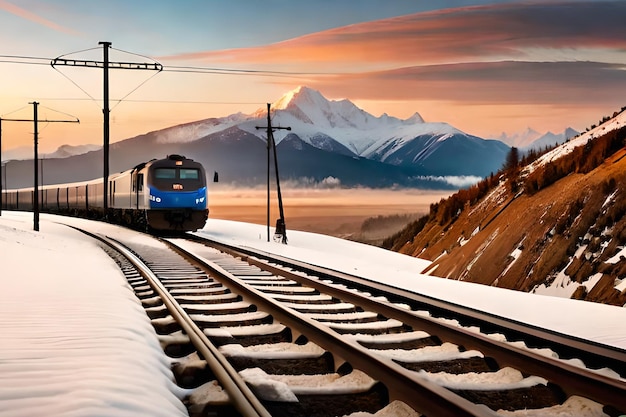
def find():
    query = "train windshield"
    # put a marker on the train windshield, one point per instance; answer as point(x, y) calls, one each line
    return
point(177, 178)
point(176, 173)
point(165, 173)
point(189, 174)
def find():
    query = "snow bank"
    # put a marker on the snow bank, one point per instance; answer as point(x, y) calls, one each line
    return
point(74, 339)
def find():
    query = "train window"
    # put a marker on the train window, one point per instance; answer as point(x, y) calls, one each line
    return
point(165, 173)
point(189, 174)
point(140, 182)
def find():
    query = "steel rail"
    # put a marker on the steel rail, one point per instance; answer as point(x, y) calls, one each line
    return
point(598, 354)
point(573, 380)
point(422, 395)
point(239, 393)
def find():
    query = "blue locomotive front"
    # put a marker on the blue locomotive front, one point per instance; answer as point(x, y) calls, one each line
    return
point(176, 194)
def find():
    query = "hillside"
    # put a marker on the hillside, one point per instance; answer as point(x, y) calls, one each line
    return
point(555, 226)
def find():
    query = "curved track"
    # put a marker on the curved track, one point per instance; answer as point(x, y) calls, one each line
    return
point(251, 313)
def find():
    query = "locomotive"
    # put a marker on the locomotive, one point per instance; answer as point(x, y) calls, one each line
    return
point(167, 194)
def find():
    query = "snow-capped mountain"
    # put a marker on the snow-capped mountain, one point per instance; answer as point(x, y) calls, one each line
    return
point(550, 139)
point(340, 126)
point(520, 139)
point(531, 139)
point(328, 139)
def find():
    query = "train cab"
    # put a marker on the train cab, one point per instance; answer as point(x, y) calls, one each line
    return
point(175, 193)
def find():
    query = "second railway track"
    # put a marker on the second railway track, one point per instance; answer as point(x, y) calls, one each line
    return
point(317, 343)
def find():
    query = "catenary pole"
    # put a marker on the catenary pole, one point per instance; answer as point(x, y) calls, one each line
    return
point(1, 188)
point(271, 144)
point(106, 112)
point(36, 121)
point(106, 64)
point(36, 161)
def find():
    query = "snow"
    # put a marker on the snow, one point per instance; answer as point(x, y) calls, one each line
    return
point(274, 351)
point(310, 114)
point(67, 369)
point(573, 406)
point(287, 387)
point(592, 321)
point(447, 351)
point(74, 343)
point(506, 377)
point(614, 123)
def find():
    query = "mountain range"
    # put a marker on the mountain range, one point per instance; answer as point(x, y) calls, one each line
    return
point(531, 139)
point(330, 142)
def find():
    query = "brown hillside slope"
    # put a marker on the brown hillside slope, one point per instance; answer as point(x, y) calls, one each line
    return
point(562, 235)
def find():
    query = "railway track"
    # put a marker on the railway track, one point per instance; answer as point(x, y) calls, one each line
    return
point(265, 336)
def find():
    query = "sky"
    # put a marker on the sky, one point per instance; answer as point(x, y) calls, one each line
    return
point(486, 67)
point(123, 371)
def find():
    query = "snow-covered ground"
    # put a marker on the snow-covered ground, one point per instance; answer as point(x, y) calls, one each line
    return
point(66, 368)
point(74, 343)
point(602, 323)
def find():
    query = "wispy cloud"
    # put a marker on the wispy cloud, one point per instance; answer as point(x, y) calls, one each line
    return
point(568, 53)
point(524, 31)
point(25, 14)
point(507, 82)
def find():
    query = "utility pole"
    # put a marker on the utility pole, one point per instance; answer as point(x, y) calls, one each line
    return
point(36, 121)
point(1, 196)
point(281, 228)
point(36, 161)
point(106, 112)
point(105, 64)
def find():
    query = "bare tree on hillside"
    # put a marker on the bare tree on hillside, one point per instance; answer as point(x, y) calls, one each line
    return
point(511, 169)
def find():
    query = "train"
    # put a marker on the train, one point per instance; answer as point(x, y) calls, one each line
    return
point(161, 195)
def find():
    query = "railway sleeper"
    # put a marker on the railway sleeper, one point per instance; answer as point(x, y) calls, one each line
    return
point(165, 325)
point(208, 299)
point(157, 312)
point(235, 308)
point(218, 321)
point(192, 371)
point(534, 397)
point(283, 335)
point(404, 345)
point(322, 364)
point(335, 308)
point(453, 366)
point(328, 405)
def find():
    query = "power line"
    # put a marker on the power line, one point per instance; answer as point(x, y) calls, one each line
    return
point(25, 57)
point(158, 101)
point(168, 68)
point(211, 70)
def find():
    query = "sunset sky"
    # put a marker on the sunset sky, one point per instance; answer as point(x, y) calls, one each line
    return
point(486, 67)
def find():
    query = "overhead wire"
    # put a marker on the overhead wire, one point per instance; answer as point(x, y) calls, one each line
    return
point(171, 68)
point(177, 68)
point(93, 99)
point(14, 111)
point(141, 84)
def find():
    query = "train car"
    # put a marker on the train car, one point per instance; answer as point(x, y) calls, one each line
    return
point(167, 194)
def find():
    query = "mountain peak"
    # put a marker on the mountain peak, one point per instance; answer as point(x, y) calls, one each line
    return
point(299, 95)
point(416, 118)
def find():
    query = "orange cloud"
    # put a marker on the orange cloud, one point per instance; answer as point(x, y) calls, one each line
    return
point(484, 33)
point(25, 14)
point(507, 82)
